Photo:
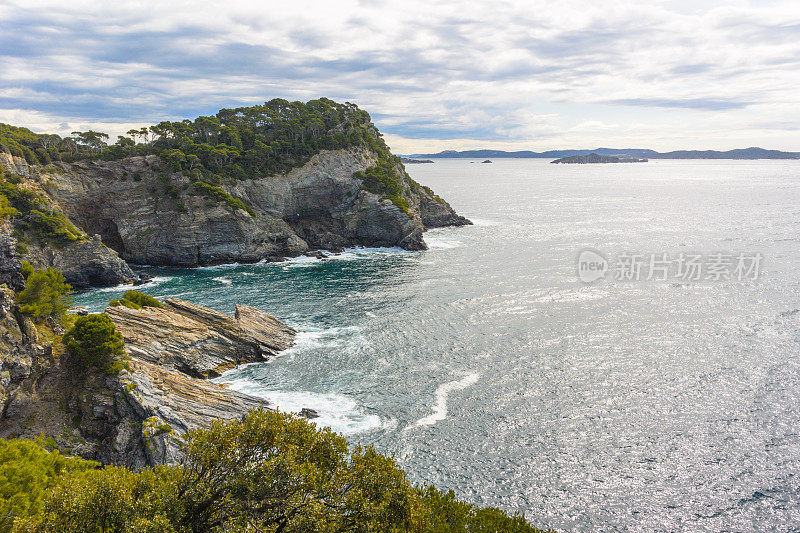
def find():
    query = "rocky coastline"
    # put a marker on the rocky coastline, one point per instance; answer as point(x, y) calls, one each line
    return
point(137, 417)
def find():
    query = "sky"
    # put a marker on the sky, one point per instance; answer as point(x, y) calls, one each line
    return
point(433, 75)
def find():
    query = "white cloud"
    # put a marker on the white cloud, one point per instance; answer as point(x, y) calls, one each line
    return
point(434, 75)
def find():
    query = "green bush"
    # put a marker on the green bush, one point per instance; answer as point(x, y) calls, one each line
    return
point(46, 293)
point(383, 179)
point(94, 342)
point(136, 300)
point(27, 472)
point(26, 269)
point(268, 472)
point(218, 193)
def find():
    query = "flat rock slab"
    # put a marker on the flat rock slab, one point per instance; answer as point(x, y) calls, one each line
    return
point(198, 341)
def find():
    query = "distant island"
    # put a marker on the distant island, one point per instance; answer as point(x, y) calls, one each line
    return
point(411, 161)
point(741, 153)
point(595, 158)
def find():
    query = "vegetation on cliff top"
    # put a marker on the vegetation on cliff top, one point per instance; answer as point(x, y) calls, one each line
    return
point(244, 142)
point(240, 143)
point(269, 472)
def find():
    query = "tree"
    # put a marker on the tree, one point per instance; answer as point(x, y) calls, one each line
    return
point(46, 294)
point(95, 140)
point(94, 342)
point(27, 472)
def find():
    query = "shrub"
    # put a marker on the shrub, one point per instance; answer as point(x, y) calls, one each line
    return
point(383, 179)
point(218, 193)
point(136, 300)
point(46, 294)
point(27, 472)
point(267, 472)
point(94, 342)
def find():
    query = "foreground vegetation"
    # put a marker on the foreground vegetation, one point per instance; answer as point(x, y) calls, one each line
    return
point(269, 472)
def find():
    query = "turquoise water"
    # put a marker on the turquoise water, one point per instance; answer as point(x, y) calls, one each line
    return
point(489, 368)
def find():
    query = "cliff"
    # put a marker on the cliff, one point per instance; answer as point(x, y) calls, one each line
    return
point(247, 185)
point(135, 418)
point(150, 215)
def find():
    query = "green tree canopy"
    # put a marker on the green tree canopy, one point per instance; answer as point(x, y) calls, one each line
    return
point(94, 342)
point(46, 294)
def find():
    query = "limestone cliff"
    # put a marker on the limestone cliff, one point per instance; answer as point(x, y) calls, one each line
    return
point(135, 418)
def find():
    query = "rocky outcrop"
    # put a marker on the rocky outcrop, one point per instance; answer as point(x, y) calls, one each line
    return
point(198, 341)
point(135, 418)
point(10, 267)
point(152, 215)
point(85, 263)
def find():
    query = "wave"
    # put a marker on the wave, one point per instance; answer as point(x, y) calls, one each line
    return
point(441, 241)
point(442, 392)
point(347, 254)
point(483, 222)
point(336, 411)
point(156, 280)
point(223, 280)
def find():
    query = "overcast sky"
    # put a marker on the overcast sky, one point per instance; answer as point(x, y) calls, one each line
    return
point(433, 75)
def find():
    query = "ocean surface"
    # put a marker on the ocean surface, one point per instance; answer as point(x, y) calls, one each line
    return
point(489, 368)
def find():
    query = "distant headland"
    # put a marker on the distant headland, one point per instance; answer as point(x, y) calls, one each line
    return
point(595, 158)
point(638, 153)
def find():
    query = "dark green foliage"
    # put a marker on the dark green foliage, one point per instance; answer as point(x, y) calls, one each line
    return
point(383, 178)
point(136, 300)
point(245, 142)
point(269, 472)
point(94, 342)
point(26, 269)
point(216, 192)
point(46, 294)
point(34, 214)
point(27, 473)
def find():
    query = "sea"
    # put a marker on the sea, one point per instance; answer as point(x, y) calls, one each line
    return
point(608, 348)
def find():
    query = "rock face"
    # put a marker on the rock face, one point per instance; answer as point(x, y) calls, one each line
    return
point(198, 341)
point(84, 263)
point(151, 215)
point(135, 418)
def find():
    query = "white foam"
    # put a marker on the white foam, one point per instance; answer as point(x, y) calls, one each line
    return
point(441, 242)
point(223, 280)
point(483, 222)
point(157, 280)
point(336, 411)
point(223, 266)
point(348, 254)
point(442, 392)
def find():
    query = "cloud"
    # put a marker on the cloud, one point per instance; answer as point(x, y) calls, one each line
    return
point(709, 104)
point(529, 74)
